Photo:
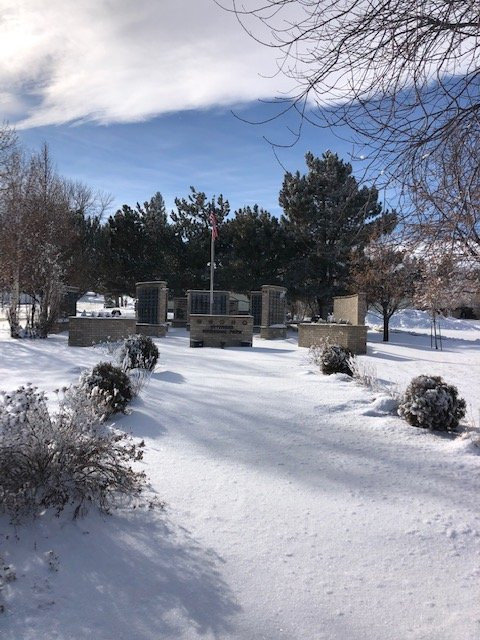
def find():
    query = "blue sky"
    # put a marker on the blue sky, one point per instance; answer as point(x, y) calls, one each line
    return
point(136, 97)
point(210, 149)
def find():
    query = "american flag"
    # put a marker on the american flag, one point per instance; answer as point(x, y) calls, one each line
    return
point(214, 223)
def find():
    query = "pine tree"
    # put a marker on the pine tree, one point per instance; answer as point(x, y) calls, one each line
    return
point(124, 256)
point(253, 245)
point(327, 216)
point(163, 247)
point(192, 226)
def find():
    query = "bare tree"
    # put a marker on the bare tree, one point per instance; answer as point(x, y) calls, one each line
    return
point(387, 275)
point(40, 237)
point(404, 75)
point(446, 193)
point(8, 139)
point(12, 220)
point(444, 284)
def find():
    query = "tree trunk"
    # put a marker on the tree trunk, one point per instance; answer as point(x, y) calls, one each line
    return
point(386, 321)
point(13, 311)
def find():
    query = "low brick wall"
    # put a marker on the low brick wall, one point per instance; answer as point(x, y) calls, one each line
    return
point(353, 337)
point(153, 330)
point(221, 331)
point(84, 331)
point(273, 333)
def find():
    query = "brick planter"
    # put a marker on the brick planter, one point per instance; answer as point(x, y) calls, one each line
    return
point(353, 337)
point(85, 331)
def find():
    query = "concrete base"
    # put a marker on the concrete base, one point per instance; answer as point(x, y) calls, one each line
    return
point(221, 331)
point(153, 330)
point(353, 337)
point(273, 333)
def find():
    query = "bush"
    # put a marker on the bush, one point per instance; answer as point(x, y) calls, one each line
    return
point(138, 352)
point(332, 358)
point(67, 458)
point(111, 384)
point(429, 402)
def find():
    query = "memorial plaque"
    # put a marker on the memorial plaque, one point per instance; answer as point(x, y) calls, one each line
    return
point(68, 303)
point(221, 331)
point(256, 307)
point(198, 302)
point(152, 298)
point(274, 307)
point(179, 312)
point(147, 306)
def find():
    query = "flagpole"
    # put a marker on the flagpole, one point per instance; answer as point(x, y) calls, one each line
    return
point(212, 267)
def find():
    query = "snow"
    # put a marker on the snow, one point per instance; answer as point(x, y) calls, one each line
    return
point(417, 321)
point(298, 507)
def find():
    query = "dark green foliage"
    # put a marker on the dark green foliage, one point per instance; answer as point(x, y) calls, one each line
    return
point(429, 402)
point(112, 384)
point(328, 217)
point(192, 226)
point(138, 352)
point(139, 245)
point(335, 359)
point(253, 247)
point(124, 254)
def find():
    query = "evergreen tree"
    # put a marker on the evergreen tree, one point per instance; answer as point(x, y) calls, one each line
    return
point(163, 247)
point(124, 255)
point(253, 245)
point(192, 225)
point(327, 217)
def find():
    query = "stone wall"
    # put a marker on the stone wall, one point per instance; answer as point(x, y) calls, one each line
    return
point(221, 331)
point(349, 336)
point(84, 331)
point(352, 309)
point(153, 330)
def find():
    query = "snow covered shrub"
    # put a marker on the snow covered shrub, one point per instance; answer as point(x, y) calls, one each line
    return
point(52, 460)
point(431, 403)
point(335, 359)
point(364, 373)
point(110, 385)
point(138, 352)
point(315, 355)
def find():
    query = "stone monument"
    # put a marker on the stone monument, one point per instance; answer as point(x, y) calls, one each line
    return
point(198, 302)
point(68, 308)
point(152, 304)
point(346, 329)
point(256, 309)
point(269, 306)
point(179, 312)
point(221, 330)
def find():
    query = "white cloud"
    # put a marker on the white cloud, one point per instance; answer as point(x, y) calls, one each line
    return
point(124, 60)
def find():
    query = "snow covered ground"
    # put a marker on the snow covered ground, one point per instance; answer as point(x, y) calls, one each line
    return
point(295, 508)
